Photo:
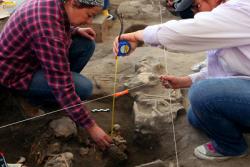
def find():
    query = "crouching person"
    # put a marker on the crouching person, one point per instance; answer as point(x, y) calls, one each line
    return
point(42, 52)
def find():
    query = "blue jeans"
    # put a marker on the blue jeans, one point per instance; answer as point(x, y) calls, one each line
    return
point(80, 52)
point(221, 109)
point(106, 4)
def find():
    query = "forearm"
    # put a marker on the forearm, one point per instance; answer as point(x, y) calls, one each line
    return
point(69, 101)
point(187, 81)
point(208, 30)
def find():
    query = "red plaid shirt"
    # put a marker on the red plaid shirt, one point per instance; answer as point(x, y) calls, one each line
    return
point(38, 35)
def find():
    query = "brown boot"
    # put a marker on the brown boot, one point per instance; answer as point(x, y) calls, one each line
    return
point(27, 109)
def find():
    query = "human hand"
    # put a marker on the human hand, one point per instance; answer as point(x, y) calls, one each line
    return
point(169, 81)
point(170, 3)
point(87, 32)
point(133, 38)
point(99, 136)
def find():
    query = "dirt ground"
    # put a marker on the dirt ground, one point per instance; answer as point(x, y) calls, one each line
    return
point(15, 141)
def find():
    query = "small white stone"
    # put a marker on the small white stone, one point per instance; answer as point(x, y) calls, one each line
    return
point(117, 127)
point(83, 151)
point(21, 160)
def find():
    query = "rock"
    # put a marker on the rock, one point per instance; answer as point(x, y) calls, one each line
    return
point(64, 127)
point(148, 79)
point(140, 72)
point(154, 107)
point(54, 148)
point(117, 127)
point(140, 9)
point(67, 148)
point(103, 82)
point(60, 160)
point(83, 151)
point(119, 140)
point(21, 160)
point(116, 156)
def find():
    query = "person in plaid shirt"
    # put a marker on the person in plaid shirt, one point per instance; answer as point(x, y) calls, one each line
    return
point(42, 55)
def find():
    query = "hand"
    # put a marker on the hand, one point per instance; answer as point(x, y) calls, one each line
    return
point(169, 81)
point(133, 38)
point(87, 32)
point(100, 137)
point(170, 3)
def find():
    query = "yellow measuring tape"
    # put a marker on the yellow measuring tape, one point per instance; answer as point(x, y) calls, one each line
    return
point(124, 48)
point(114, 97)
point(7, 4)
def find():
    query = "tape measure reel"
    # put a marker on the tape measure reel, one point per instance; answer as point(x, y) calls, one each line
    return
point(124, 48)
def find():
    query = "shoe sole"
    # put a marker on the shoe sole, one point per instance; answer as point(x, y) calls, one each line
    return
point(203, 157)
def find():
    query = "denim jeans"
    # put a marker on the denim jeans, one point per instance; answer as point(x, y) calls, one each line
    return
point(106, 4)
point(221, 109)
point(80, 52)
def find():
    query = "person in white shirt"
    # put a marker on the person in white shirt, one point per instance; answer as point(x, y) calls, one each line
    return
point(220, 93)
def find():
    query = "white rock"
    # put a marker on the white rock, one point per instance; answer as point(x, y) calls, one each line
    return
point(63, 127)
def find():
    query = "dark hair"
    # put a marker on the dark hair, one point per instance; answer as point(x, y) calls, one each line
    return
point(79, 5)
point(187, 14)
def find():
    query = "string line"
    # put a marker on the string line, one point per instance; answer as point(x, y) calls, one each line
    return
point(65, 108)
point(169, 94)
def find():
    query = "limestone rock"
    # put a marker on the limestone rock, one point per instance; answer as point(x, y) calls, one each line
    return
point(103, 80)
point(141, 9)
point(83, 151)
point(63, 127)
point(117, 127)
point(154, 107)
point(60, 160)
point(53, 148)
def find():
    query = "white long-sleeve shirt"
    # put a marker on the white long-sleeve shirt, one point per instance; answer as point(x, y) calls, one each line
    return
point(225, 31)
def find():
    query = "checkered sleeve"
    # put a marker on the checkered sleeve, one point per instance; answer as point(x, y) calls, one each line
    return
point(52, 52)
